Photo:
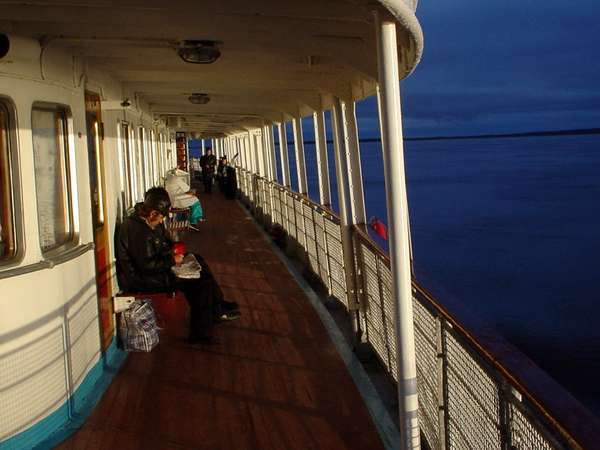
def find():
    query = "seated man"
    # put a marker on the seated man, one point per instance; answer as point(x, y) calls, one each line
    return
point(144, 261)
point(182, 197)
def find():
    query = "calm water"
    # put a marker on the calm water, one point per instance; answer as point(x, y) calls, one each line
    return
point(510, 227)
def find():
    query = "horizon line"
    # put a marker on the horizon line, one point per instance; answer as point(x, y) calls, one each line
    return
point(569, 132)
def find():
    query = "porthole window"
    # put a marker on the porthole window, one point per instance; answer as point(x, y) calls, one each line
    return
point(8, 238)
point(52, 165)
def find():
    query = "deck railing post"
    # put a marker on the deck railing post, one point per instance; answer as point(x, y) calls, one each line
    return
point(356, 191)
point(300, 161)
point(341, 171)
point(355, 183)
point(442, 383)
point(322, 158)
point(395, 184)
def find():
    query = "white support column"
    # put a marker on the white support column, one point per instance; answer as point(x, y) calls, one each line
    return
point(283, 148)
point(357, 196)
point(248, 153)
point(398, 226)
point(260, 154)
point(341, 172)
point(322, 158)
point(252, 150)
point(243, 153)
point(203, 148)
point(271, 138)
point(300, 162)
point(265, 153)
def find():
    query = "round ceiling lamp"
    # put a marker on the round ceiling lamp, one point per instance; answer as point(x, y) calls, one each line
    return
point(198, 52)
point(199, 99)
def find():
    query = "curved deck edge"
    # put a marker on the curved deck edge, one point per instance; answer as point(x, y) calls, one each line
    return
point(386, 428)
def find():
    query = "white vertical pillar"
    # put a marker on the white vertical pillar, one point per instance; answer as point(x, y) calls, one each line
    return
point(243, 153)
point(322, 158)
point(341, 172)
point(271, 138)
point(300, 162)
point(357, 196)
point(203, 147)
point(263, 144)
point(398, 226)
point(260, 154)
point(252, 150)
point(283, 148)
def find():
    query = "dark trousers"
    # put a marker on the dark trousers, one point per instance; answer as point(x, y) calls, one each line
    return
point(204, 297)
point(208, 181)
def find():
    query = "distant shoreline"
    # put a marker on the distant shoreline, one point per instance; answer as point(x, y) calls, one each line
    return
point(575, 132)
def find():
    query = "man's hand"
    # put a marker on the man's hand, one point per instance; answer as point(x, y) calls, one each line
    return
point(178, 259)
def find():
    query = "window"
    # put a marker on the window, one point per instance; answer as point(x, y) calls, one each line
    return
point(8, 240)
point(52, 169)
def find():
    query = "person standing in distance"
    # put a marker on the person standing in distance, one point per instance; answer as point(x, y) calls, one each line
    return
point(208, 162)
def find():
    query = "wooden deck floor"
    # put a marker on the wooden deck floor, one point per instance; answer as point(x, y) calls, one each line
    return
point(275, 381)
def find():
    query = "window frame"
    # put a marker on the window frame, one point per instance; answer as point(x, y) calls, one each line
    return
point(69, 171)
point(17, 254)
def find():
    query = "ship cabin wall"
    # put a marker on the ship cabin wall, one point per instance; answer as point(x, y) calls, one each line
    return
point(49, 316)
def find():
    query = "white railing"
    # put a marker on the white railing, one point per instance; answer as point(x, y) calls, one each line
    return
point(475, 390)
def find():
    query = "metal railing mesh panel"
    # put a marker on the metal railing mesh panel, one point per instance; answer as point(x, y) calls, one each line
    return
point(524, 435)
point(389, 310)
point(336, 261)
point(277, 207)
point(300, 232)
point(322, 249)
point(290, 217)
point(311, 242)
point(426, 348)
point(373, 310)
point(473, 401)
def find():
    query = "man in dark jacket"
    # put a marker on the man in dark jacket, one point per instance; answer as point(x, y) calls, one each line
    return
point(208, 162)
point(145, 258)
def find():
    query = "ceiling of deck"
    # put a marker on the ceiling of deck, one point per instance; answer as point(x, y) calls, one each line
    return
point(277, 57)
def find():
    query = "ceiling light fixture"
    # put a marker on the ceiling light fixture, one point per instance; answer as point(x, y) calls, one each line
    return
point(198, 52)
point(199, 99)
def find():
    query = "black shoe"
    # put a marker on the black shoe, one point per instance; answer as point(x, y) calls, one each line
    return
point(227, 316)
point(202, 340)
point(229, 306)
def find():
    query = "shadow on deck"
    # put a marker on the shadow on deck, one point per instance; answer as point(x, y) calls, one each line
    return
point(275, 381)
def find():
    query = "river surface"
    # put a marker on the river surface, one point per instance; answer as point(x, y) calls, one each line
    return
point(511, 228)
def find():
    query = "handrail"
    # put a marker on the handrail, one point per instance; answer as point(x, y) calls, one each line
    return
point(514, 366)
point(556, 412)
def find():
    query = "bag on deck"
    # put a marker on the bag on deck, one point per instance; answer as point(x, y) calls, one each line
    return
point(138, 328)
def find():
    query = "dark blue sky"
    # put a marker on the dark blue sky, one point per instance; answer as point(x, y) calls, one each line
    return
point(502, 66)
